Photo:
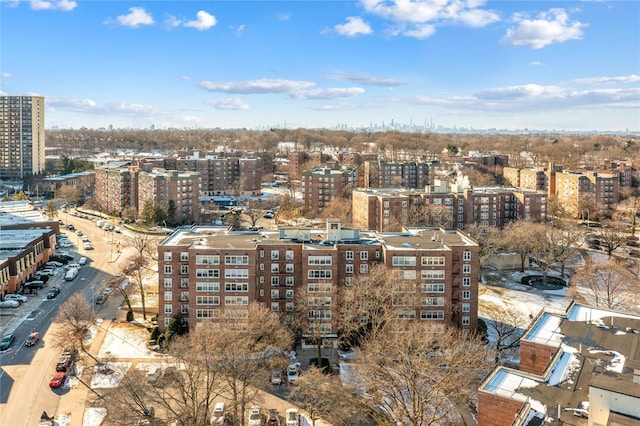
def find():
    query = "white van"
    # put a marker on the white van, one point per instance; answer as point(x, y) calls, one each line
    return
point(71, 274)
point(82, 261)
point(217, 416)
point(291, 417)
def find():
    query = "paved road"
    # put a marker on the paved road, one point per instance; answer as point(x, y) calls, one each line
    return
point(25, 371)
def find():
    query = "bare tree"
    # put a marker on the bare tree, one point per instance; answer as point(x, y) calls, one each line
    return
point(610, 238)
point(146, 249)
point(75, 317)
point(489, 238)
point(610, 285)
point(505, 326)
point(254, 209)
point(415, 375)
point(518, 237)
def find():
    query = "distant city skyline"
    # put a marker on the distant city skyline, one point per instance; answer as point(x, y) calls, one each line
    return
point(571, 66)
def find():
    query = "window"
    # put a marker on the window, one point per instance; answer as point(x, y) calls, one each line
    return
point(236, 273)
point(319, 287)
point(319, 260)
point(288, 268)
point(275, 255)
point(364, 255)
point(349, 255)
point(348, 281)
point(275, 294)
point(275, 281)
point(184, 269)
point(434, 274)
point(288, 255)
point(466, 256)
point(466, 294)
point(168, 296)
point(466, 269)
point(230, 287)
point(433, 301)
point(349, 268)
point(184, 309)
point(168, 309)
point(261, 253)
point(167, 256)
point(207, 287)
point(275, 306)
point(275, 268)
point(262, 266)
point(404, 275)
point(319, 314)
point(208, 273)
point(466, 282)
point(364, 268)
point(403, 261)
point(207, 300)
point(168, 282)
point(321, 274)
point(289, 307)
point(184, 282)
point(432, 260)
point(432, 288)
point(207, 313)
point(236, 260)
point(288, 281)
point(207, 260)
point(466, 320)
point(184, 256)
point(432, 315)
point(236, 300)
point(167, 269)
point(407, 315)
point(184, 296)
point(466, 307)
point(289, 294)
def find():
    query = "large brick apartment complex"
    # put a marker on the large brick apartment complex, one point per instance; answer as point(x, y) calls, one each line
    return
point(392, 174)
point(323, 184)
point(207, 272)
point(388, 209)
point(585, 359)
point(176, 191)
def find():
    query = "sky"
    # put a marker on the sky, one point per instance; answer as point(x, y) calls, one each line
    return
point(537, 65)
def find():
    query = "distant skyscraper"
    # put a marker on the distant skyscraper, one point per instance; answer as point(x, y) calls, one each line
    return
point(21, 136)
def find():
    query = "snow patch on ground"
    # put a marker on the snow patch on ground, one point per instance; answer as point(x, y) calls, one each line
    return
point(126, 341)
point(94, 416)
point(109, 375)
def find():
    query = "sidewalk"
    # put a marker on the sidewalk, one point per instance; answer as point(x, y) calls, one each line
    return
point(73, 403)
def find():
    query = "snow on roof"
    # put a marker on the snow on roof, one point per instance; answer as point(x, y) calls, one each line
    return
point(508, 384)
point(591, 314)
point(545, 331)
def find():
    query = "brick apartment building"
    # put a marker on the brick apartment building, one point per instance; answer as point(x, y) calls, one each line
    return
point(321, 185)
point(206, 272)
point(175, 191)
point(116, 187)
point(388, 210)
point(392, 174)
point(578, 367)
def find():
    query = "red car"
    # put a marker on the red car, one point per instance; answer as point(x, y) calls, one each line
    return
point(57, 380)
point(32, 339)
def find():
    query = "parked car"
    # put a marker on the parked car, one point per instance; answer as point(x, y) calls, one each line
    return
point(276, 377)
point(9, 304)
point(268, 216)
point(66, 244)
point(293, 372)
point(82, 261)
point(59, 259)
point(255, 416)
point(32, 338)
point(35, 284)
point(54, 264)
point(72, 265)
point(17, 297)
point(634, 253)
point(64, 255)
point(7, 341)
point(53, 292)
point(85, 239)
point(70, 227)
point(58, 379)
point(273, 418)
point(87, 246)
point(79, 232)
point(101, 298)
point(64, 363)
point(218, 414)
point(291, 417)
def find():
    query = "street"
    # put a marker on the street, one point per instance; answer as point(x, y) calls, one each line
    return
point(25, 371)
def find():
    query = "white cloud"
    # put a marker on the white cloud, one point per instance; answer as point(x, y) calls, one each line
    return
point(331, 93)
point(420, 31)
point(172, 22)
point(261, 86)
point(354, 26)
point(203, 21)
point(284, 16)
point(6, 75)
point(467, 12)
point(537, 64)
point(548, 28)
point(64, 5)
point(633, 78)
point(364, 79)
point(227, 104)
point(90, 106)
point(137, 16)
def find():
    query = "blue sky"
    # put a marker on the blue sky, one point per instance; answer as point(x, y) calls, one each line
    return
point(254, 64)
